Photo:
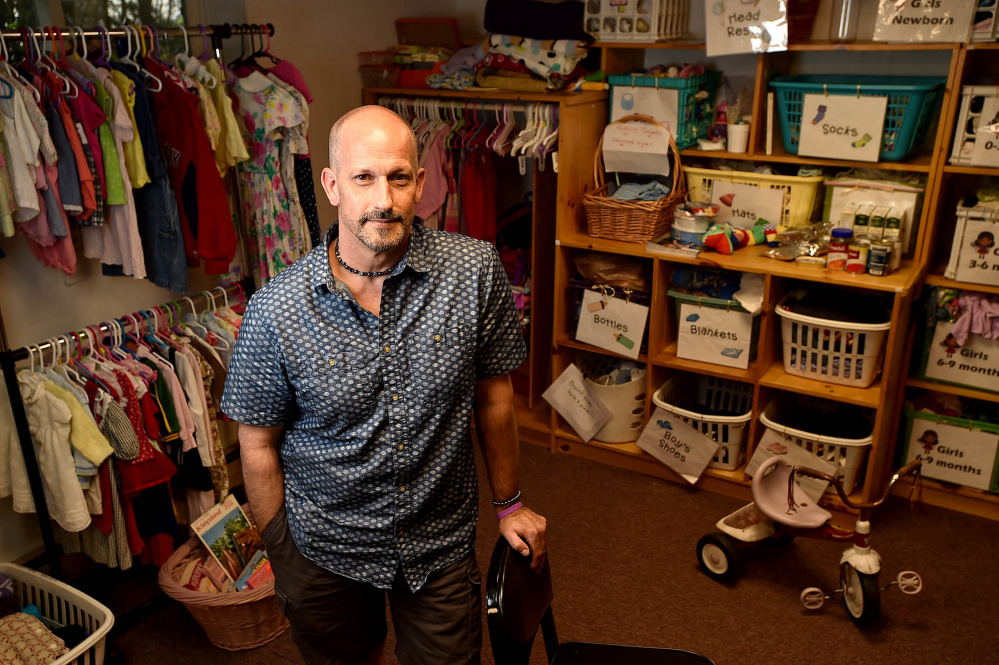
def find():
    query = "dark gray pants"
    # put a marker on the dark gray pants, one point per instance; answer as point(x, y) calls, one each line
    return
point(336, 620)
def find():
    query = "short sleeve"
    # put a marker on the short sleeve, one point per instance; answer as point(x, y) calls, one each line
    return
point(501, 346)
point(257, 391)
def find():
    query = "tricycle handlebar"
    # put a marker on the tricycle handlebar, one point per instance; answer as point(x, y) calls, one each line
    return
point(911, 467)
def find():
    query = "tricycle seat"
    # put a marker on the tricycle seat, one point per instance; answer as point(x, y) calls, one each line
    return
point(773, 491)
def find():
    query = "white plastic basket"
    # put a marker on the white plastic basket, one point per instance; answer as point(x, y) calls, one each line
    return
point(847, 454)
point(833, 351)
point(714, 395)
point(62, 605)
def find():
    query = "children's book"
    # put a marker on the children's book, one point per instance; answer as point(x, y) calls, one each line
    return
point(262, 577)
point(229, 536)
point(256, 563)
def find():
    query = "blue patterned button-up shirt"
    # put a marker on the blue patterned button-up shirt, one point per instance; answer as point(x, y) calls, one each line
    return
point(377, 455)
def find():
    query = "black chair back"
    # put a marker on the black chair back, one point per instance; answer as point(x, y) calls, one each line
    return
point(518, 601)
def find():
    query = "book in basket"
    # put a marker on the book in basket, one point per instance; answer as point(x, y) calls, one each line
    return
point(229, 536)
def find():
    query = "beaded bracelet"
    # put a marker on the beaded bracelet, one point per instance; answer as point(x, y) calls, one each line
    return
point(509, 511)
point(511, 500)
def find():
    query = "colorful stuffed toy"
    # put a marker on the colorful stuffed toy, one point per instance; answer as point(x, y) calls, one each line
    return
point(725, 239)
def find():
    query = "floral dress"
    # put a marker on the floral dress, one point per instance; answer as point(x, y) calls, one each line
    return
point(270, 205)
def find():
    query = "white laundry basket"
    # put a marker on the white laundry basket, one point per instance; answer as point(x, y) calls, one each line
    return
point(626, 401)
point(823, 349)
point(62, 605)
point(783, 418)
point(718, 408)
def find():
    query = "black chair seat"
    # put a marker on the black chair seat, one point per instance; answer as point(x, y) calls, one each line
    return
point(589, 653)
point(518, 602)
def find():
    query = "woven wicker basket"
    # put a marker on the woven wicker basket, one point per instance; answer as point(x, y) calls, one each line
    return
point(631, 221)
point(233, 621)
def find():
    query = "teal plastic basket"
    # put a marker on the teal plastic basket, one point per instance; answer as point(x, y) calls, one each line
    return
point(912, 102)
point(694, 116)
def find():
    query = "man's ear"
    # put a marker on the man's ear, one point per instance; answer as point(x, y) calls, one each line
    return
point(329, 186)
point(421, 178)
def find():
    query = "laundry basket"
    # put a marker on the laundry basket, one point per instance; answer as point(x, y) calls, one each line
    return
point(626, 401)
point(828, 350)
point(233, 621)
point(718, 408)
point(61, 605)
point(840, 434)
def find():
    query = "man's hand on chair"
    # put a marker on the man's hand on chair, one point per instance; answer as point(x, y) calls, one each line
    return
point(525, 530)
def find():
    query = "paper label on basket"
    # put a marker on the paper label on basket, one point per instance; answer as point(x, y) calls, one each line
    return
point(773, 443)
point(979, 262)
point(976, 364)
point(714, 335)
point(677, 445)
point(986, 150)
point(759, 27)
point(741, 205)
point(660, 103)
point(612, 323)
point(842, 126)
point(636, 147)
point(953, 454)
point(923, 20)
point(570, 396)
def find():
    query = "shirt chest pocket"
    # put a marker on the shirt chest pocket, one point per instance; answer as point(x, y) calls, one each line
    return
point(335, 392)
point(440, 364)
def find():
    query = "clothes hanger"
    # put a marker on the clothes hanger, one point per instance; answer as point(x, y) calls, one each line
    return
point(13, 73)
point(70, 89)
point(101, 60)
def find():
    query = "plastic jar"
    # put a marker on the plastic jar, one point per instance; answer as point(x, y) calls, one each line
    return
point(839, 245)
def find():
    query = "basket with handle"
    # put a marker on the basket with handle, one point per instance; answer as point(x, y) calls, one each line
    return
point(631, 221)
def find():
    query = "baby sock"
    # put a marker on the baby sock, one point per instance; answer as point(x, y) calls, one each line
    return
point(821, 114)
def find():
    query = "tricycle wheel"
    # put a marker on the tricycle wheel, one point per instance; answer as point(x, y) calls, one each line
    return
point(719, 557)
point(861, 595)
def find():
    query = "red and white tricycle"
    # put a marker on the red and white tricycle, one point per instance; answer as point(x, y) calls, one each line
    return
point(781, 511)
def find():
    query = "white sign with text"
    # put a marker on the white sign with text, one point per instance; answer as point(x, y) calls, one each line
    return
point(974, 364)
point(914, 21)
point(740, 27)
point(773, 443)
point(660, 103)
point(714, 335)
point(636, 147)
point(953, 454)
point(570, 396)
point(612, 323)
point(979, 263)
point(743, 205)
point(842, 126)
point(677, 445)
point(986, 150)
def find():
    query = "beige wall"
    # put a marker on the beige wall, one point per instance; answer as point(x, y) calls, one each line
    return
point(322, 38)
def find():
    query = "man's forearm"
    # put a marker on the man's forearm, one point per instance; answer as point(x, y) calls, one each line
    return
point(496, 428)
point(262, 474)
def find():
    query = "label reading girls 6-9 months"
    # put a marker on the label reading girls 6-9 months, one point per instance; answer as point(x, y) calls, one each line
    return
point(975, 364)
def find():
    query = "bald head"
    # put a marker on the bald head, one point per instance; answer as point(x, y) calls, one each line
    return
point(362, 120)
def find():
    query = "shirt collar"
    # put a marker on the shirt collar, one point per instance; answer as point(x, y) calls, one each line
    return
point(417, 257)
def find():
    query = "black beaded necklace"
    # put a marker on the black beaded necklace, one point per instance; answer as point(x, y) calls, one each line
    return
point(336, 252)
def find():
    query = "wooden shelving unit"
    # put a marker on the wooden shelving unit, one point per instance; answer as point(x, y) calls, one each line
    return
point(561, 233)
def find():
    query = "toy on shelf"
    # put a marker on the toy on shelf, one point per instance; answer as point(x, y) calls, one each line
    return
point(781, 511)
point(725, 238)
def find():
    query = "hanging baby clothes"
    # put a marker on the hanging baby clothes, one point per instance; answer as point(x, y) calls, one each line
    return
point(274, 224)
point(231, 149)
point(204, 209)
point(7, 202)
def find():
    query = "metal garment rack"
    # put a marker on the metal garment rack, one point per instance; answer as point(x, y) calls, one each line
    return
point(9, 357)
point(8, 360)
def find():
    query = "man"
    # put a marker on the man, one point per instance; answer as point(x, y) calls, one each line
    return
point(353, 381)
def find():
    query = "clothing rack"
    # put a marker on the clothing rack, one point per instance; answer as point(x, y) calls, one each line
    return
point(453, 104)
point(216, 32)
point(8, 359)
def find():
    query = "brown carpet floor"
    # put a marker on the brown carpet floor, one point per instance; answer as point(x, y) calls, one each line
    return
point(622, 548)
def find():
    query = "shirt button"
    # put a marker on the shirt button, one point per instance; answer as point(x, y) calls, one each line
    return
point(402, 489)
point(332, 362)
point(386, 348)
point(437, 338)
point(395, 398)
point(401, 446)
